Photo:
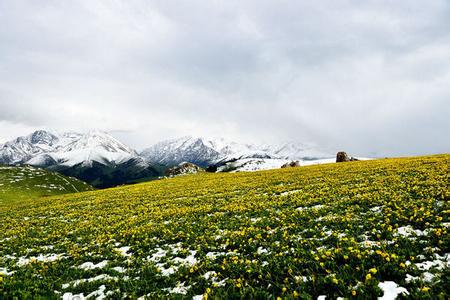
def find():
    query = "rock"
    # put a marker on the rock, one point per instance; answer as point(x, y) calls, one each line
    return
point(291, 164)
point(343, 157)
point(183, 169)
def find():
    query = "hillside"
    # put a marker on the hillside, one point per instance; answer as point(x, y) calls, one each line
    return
point(359, 229)
point(22, 183)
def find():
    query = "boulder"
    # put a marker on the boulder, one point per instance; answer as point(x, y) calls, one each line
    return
point(291, 164)
point(343, 157)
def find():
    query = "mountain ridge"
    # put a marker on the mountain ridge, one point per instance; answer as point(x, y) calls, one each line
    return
point(95, 156)
point(175, 151)
point(103, 161)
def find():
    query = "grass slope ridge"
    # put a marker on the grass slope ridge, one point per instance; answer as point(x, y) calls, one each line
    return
point(22, 183)
point(355, 229)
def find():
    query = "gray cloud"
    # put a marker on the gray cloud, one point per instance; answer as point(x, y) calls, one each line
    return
point(369, 77)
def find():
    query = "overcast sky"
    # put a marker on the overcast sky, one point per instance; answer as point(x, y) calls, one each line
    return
point(368, 77)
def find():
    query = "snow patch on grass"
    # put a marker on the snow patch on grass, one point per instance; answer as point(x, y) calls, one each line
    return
point(178, 289)
point(40, 258)
point(407, 231)
point(391, 290)
point(92, 279)
point(90, 266)
point(124, 251)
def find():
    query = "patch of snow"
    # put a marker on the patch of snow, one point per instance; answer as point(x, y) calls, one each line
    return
point(318, 206)
point(208, 274)
point(391, 290)
point(70, 296)
point(376, 209)
point(155, 257)
point(262, 250)
point(438, 264)
point(190, 260)
point(290, 192)
point(166, 271)
point(41, 258)
point(408, 231)
point(100, 293)
point(428, 277)
point(178, 289)
point(124, 251)
point(213, 255)
point(4, 271)
point(91, 266)
point(119, 269)
point(96, 278)
point(410, 278)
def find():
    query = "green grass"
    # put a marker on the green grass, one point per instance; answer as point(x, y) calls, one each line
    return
point(25, 183)
point(341, 230)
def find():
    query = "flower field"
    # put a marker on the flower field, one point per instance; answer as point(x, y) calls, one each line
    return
point(363, 229)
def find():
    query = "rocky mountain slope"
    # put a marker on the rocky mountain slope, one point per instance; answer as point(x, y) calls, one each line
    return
point(95, 157)
point(205, 152)
point(225, 155)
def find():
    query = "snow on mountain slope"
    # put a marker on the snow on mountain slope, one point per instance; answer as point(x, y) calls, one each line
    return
point(186, 149)
point(204, 151)
point(293, 151)
point(94, 146)
point(24, 148)
point(252, 164)
point(44, 148)
point(60, 151)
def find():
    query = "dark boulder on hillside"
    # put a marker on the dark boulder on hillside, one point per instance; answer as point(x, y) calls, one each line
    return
point(343, 157)
point(183, 169)
point(291, 164)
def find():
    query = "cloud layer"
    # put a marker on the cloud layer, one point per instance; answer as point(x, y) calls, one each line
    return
point(369, 77)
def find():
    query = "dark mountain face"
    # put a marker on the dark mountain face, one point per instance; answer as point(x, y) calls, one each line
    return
point(104, 176)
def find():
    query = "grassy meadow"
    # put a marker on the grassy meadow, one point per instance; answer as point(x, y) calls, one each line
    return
point(352, 230)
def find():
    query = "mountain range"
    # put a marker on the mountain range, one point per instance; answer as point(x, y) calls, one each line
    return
point(101, 160)
point(206, 151)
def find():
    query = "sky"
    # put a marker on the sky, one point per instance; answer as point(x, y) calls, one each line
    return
point(368, 77)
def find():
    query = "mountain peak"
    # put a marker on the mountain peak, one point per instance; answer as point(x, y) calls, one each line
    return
point(70, 148)
point(206, 151)
point(42, 137)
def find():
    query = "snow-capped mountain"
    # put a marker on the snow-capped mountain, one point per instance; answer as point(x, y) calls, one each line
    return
point(24, 148)
point(206, 151)
point(95, 156)
point(94, 146)
point(186, 149)
point(43, 147)
point(100, 159)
